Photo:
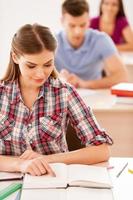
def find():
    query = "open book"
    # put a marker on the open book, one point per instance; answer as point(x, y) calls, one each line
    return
point(70, 175)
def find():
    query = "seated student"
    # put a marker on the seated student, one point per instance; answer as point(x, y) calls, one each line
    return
point(84, 53)
point(113, 21)
point(35, 107)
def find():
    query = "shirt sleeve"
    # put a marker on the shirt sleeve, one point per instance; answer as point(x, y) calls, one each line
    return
point(84, 122)
point(106, 46)
point(94, 23)
point(122, 23)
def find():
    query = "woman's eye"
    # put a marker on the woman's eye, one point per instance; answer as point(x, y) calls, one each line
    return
point(49, 65)
point(31, 66)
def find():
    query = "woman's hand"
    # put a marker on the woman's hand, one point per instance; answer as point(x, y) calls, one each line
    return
point(36, 167)
point(30, 154)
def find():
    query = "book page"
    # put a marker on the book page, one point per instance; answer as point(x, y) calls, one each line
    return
point(48, 194)
point(88, 176)
point(71, 193)
point(89, 194)
point(47, 181)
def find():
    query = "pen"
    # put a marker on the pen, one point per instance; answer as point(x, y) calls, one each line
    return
point(9, 190)
point(119, 173)
point(110, 167)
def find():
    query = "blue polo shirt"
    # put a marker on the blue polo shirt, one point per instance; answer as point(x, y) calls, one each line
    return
point(87, 61)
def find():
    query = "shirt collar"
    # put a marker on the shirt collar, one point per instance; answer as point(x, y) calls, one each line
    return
point(14, 94)
point(50, 83)
point(13, 90)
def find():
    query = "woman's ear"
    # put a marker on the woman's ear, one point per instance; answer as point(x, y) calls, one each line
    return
point(14, 57)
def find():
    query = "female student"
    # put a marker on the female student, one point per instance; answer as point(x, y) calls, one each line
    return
point(113, 21)
point(35, 107)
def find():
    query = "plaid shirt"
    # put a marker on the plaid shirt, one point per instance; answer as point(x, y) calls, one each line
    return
point(43, 128)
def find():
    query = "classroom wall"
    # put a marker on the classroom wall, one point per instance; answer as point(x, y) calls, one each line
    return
point(15, 13)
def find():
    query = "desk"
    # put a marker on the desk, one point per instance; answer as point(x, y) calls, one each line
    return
point(127, 58)
point(124, 183)
point(122, 186)
point(116, 118)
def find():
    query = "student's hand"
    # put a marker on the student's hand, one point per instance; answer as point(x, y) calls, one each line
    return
point(84, 84)
point(36, 167)
point(74, 80)
point(71, 78)
point(30, 154)
point(64, 74)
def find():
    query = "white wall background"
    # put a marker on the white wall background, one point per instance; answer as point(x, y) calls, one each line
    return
point(15, 13)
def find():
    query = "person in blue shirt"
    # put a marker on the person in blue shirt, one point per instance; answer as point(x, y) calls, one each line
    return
point(83, 53)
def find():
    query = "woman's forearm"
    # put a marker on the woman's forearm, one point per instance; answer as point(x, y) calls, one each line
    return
point(9, 163)
point(125, 47)
point(37, 166)
point(87, 155)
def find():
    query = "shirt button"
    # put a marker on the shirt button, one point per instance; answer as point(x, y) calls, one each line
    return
point(30, 125)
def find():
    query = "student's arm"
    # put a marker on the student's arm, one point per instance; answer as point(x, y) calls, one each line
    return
point(88, 131)
point(87, 155)
point(36, 166)
point(128, 36)
point(115, 70)
point(8, 163)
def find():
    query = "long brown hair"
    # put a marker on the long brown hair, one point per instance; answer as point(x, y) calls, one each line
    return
point(121, 12)
point(29, 39)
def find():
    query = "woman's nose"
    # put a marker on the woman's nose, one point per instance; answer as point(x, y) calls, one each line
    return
point(40, 73)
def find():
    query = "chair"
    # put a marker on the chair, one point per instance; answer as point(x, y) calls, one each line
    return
point(72, 140)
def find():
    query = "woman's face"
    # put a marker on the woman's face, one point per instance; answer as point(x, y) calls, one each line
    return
point(35, 68)
point(110, 8)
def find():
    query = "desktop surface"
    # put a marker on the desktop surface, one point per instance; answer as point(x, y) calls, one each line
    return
point(122, 185)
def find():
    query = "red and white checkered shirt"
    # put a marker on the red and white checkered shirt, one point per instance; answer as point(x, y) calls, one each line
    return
point(43, 128)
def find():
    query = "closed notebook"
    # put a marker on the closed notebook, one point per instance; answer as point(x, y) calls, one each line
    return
point(123, 89)
point(7, 176)
point(70, 175)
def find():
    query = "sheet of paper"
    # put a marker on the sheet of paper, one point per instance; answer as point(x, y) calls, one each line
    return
point(10, 176)
point(89, 193)
point(40, 194)
point(47, 181)
point(89, 173)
